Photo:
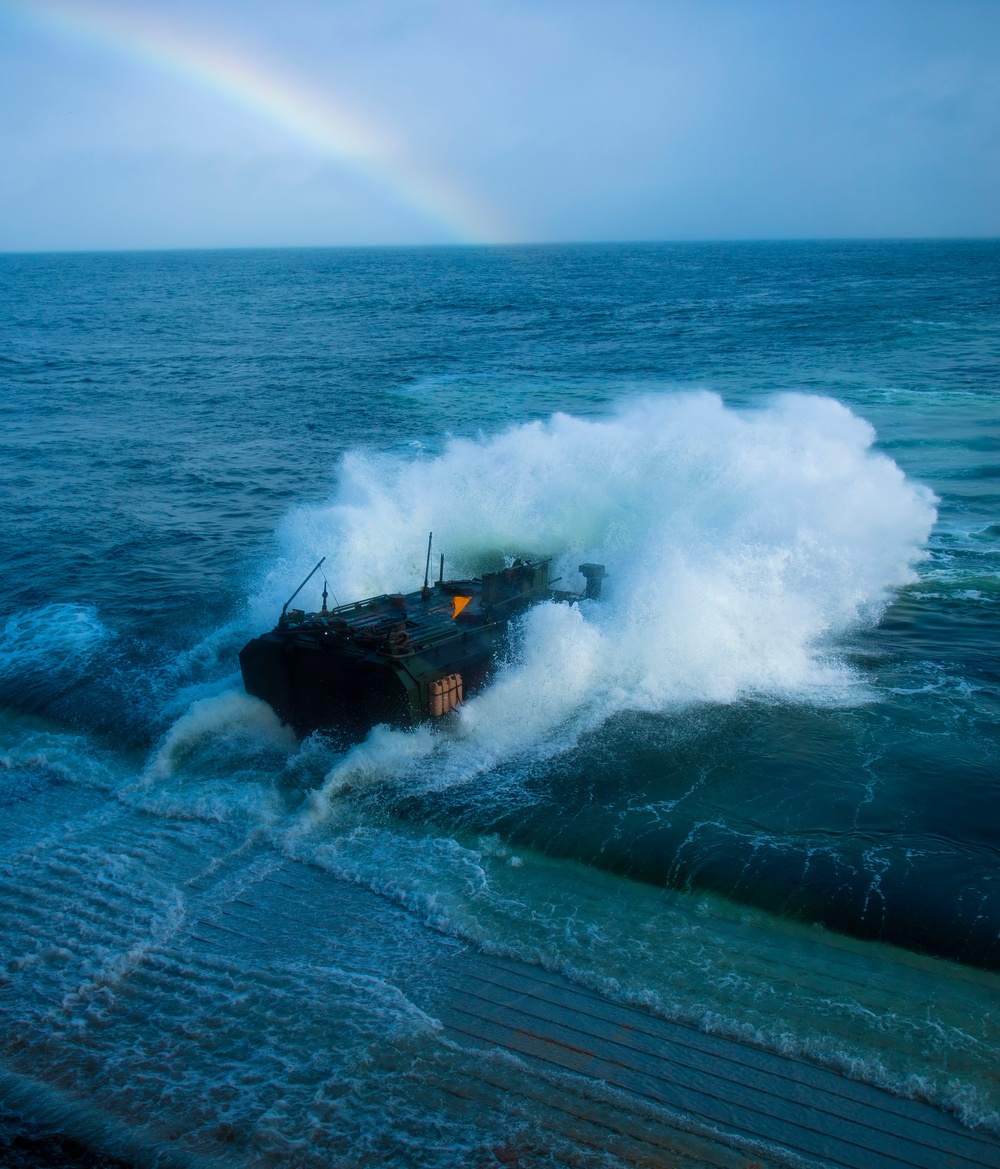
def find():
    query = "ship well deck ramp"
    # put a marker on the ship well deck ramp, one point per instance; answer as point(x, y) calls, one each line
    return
point(576, 1069)
point(652, 1091)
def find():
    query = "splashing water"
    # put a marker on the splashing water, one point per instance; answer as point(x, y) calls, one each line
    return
point(739, 545)
point(227, 717)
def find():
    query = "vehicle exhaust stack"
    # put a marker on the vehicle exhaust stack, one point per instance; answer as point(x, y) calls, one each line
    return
point(594, 574)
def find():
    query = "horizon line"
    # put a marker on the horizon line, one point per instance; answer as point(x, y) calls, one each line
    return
point(492, 246)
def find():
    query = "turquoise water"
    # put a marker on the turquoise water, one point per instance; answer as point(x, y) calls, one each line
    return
point(771, 751)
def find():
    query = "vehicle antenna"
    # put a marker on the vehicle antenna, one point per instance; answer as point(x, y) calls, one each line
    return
point(425, 591)
point(441, 574)
point(284, 608)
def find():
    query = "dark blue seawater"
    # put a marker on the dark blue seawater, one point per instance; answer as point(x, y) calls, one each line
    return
point(783, 726)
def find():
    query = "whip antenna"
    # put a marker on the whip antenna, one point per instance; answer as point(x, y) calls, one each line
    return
point(427, 566)
point(283, 618)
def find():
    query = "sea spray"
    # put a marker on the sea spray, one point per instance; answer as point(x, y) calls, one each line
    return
point(739, 546)
point(229, 718)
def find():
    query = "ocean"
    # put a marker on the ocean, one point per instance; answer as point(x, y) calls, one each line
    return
point(754, 788)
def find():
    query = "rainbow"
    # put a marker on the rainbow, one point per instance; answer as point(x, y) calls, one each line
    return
point(305, 116)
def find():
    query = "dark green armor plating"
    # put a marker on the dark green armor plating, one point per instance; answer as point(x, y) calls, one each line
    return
point(378, 660)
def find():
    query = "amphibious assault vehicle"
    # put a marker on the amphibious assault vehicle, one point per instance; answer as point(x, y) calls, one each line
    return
point(399, 658)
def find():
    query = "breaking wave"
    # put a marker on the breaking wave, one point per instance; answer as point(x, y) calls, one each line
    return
point(739, 545)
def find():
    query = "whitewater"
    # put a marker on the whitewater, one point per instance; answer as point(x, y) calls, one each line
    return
point(739, 545)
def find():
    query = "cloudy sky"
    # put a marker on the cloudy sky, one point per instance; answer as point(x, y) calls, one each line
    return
point(315, 122)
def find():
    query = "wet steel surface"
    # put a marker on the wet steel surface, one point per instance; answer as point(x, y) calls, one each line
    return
point(494, 1035)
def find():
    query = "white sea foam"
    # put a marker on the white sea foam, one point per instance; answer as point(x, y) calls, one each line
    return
point(219, 719)
point(739, 544)
point(52, 638)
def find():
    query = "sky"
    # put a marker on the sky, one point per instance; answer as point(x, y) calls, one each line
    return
point(244, 123)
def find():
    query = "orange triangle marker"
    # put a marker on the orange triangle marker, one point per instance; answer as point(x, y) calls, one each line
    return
point(458, 604)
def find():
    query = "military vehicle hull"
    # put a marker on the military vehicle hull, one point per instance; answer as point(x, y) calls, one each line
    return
point(400, 659)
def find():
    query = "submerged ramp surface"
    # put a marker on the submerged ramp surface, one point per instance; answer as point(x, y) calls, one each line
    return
point(676, 1092)
point(181, 993)
point(800, 1107)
